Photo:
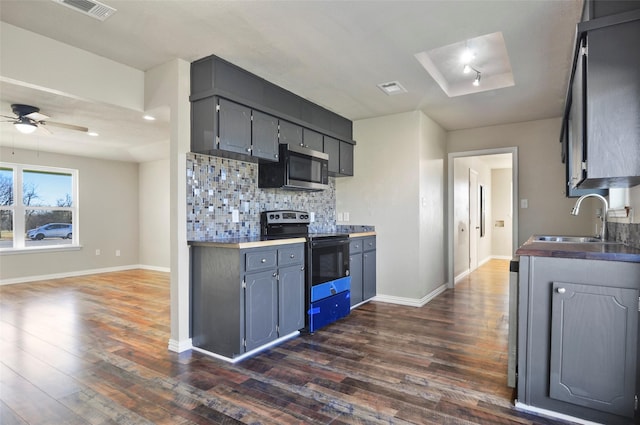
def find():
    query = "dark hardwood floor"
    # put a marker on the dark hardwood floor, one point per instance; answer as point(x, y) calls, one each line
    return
point(93, 350)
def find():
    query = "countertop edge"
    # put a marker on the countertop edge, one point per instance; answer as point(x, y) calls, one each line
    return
point(601, 251)
point(246, 244)
point(361, 234)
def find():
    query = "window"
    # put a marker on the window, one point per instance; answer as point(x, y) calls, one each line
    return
point(38, 207)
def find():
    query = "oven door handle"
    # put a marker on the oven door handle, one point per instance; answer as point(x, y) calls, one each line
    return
point(329, 242)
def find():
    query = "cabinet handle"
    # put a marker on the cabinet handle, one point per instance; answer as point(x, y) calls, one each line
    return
point(248, 149)
point(276, 156)
point(274, 274)
point(264, 260)
point(561, 290)
point(302, 268)
point(292, 256)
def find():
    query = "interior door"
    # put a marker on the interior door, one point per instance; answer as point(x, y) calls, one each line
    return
point(474, 222)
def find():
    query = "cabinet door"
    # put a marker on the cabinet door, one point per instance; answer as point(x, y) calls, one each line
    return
point(203, 136)
point(355, 271)
point(369, 274)
point(290, 299)
point(235, 127)
point(576, 149)
point(261, 308)
point(332, 148)
point(264, 136)
point(593, 346)
point(346, 159)
point(312, 139)
point(290, 134)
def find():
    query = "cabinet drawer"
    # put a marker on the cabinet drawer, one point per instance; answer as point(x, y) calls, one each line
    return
point(291, 255)
point(258, 260)
point(369, 243)
point(355, 245)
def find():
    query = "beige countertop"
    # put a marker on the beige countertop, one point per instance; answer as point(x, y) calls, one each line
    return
point(242, 243)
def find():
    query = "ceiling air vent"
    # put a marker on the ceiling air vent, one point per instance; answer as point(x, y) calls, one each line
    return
point(92, 8)
point(392, 87)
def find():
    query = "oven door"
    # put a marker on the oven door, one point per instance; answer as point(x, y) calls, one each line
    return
point(328, 260)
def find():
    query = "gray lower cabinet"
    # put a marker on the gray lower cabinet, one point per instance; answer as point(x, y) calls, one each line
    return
point(243, 299)
point(578, 337)
point(362, 268)
point(593, 346)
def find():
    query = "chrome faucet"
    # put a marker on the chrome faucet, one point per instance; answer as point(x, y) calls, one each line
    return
point(605, 208)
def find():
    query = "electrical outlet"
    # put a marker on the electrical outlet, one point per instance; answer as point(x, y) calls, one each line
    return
point(235, 216)
point(117, 252)
point(346, 216)
point(98, 252)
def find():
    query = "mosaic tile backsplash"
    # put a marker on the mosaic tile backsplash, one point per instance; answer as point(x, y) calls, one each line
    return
point(624, 232)
point(217, 186)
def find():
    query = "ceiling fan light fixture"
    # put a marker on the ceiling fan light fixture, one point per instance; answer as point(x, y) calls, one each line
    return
point(149, 117)
point(476, 82)
point(24, 125)
point(92, 133)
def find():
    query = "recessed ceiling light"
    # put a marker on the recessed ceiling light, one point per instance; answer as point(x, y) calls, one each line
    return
point(392, 87)
point(93, 134)
point(467, 56)
point(149, 117)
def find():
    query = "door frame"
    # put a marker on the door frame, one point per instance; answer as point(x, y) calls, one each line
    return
point(514, 200)
point(474, 222)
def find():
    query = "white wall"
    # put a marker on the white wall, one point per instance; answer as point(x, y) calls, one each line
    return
point(541, 175)
point(501, 211)
point(108, 218)
point(399, 188)
point(154, 211)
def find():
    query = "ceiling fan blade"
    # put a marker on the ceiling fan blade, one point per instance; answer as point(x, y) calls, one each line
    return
point(44, 130)
point(37, 116)
point(7, 116)
point(67, 126)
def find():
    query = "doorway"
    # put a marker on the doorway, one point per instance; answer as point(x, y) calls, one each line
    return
point(499, 213)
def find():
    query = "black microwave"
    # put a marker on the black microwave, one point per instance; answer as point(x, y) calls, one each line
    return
point(298, 168)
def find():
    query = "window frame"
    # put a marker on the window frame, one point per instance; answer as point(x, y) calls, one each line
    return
point(18, 209)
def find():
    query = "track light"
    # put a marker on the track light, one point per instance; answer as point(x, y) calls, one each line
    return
point(476, 82)
point(24, 125)
point(466, 69)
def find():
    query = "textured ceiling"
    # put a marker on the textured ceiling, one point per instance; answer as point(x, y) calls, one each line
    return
point(331, 52)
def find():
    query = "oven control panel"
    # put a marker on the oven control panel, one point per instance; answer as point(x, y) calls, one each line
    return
point(285, 217)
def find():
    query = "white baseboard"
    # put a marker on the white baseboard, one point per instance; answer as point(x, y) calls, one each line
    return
point(552, 414)
point(461, 276)
point(37, 278)
point(412, 302)
point(248, 353)
point(180, 346)
point(155, 268)
point(501, 257)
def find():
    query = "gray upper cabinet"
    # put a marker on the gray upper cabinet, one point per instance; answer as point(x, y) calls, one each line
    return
point(239, 95)
point(340, 156)
point(290, 134)
point(346, 159)
point(332, 148)
point(235, 127)
point(264, 136)
point(602, 118)
point(593, 346)
point(312, 139)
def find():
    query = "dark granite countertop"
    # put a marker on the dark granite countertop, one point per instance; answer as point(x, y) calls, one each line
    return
point(605, 251)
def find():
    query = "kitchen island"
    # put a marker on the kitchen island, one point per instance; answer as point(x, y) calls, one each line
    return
point(578, 330)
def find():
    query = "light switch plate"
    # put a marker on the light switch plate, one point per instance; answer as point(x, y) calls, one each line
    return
point(524, 203)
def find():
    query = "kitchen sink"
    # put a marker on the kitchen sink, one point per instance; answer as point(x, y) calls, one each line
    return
point(568, 239)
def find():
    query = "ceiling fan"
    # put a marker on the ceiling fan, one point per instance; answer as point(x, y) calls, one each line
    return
point(28, 119)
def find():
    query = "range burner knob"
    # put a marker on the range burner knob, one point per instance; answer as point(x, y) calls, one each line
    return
point(271, 216)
